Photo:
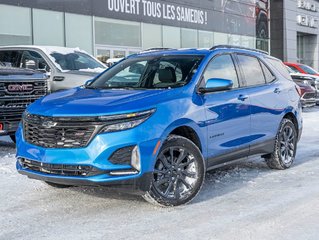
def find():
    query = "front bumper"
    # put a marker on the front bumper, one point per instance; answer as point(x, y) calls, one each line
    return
point(96, 155)
point(136, 184)
point(8, 128)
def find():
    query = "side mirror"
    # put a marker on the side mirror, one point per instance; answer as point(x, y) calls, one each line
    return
point(30, 64)
point(216, 84)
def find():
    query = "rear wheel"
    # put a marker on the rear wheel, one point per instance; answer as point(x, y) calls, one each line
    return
point(285, 146)
point(56, 185)
point(178, 173)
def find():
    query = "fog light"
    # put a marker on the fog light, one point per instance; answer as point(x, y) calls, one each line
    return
point(135, 159)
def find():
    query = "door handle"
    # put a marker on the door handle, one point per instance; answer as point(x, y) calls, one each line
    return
point(58, 78)
point(277, 90)
point(242, 97)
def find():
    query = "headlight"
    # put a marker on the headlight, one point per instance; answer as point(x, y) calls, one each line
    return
point(125, 121)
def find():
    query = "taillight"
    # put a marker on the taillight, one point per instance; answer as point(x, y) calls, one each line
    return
point(1, 126)
point(298, 90)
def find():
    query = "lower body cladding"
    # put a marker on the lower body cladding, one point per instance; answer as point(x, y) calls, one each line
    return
point(106, 161)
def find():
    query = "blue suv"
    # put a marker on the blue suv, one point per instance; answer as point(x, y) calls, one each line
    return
point(157, 121)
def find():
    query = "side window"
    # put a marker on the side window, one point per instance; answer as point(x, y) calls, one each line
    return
point(222, 67)
point(33, 60)
point(252, 71)
point(10, 58)
point(267, 73)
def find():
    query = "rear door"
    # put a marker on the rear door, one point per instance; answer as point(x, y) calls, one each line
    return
point(227, 113)
point(268, 101)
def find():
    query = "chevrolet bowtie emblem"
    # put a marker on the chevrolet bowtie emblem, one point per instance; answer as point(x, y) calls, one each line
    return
point(49, 124)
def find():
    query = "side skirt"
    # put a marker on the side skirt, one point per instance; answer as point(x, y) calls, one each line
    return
point(240, 154)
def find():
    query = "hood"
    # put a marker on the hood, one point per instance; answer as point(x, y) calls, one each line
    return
point(92, 102)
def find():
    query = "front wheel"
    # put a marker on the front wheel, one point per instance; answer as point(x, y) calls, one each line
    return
point(178, 173)
point(285, 146)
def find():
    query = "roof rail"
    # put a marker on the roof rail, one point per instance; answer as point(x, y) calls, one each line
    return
point(239, 47)
point(156, 49)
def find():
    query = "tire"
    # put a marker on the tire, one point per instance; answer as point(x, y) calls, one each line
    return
point(176, 180)
point(13, 138)
point(56, 185)
point(285, 146)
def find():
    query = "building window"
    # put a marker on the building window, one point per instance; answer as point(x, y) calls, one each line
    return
point(189, 38)
point(152, 36)
point(205, 39)
point(171, 37)
point(220, 38)
point(117, 32)
point(15, 25)
point(79, 33)
point(48, 27)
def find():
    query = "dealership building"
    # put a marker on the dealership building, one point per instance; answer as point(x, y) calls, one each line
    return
point(117, 28)
point(294, 31)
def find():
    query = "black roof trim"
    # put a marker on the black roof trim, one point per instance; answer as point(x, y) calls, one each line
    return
point(238, 47)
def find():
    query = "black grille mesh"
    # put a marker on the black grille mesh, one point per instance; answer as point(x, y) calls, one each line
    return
point(49, 132)
point(59, 169)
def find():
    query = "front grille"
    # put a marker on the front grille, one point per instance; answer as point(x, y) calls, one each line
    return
point(13, 104)
point(59, 169)
point(24, 88)
point(309, 95)
point(50, 132)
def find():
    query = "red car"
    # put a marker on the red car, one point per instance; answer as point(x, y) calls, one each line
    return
point(302, 68)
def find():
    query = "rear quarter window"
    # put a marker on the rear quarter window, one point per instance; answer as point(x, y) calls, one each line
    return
point(279, 66)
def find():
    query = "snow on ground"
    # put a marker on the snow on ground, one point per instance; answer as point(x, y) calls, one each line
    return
point(241, 201)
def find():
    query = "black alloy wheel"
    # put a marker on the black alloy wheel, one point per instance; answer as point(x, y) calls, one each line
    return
point(285, 146)
point(178, 173)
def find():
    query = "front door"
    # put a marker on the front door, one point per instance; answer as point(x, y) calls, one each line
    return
point(227, 113)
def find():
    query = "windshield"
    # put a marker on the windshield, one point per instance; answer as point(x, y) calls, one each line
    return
point(150, 72)
point(308, 69)
point(75, 61)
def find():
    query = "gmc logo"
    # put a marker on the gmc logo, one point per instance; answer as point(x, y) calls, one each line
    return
point(20, 87)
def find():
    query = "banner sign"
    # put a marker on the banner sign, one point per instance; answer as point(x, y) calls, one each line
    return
point(228, 16)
